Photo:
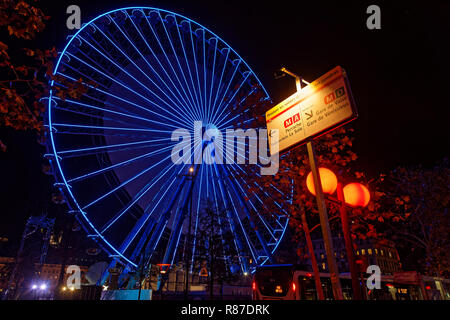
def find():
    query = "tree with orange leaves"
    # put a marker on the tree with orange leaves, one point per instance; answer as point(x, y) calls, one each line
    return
point(25, 72)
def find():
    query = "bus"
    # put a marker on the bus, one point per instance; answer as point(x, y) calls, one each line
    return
point(292, 282)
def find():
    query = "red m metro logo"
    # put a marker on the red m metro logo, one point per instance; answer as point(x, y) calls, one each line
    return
point(292, 120)
point(334, 95)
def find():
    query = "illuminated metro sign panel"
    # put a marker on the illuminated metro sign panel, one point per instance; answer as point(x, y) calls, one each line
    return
point(316, 109)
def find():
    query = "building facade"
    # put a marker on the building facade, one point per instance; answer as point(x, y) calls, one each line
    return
point(368, 252)
point(48, 275)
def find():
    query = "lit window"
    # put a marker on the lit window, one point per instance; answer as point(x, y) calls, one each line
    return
point(390, 254)
point(357, 252)
point(363, 251)
point(376, 251)
point(369, 251)
point(323, 265)
point(382, 253)
point(322, 256)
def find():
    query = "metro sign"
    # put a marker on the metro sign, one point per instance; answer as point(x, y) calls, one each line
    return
point(332, 96)
point(292, 120)
point(316, 109)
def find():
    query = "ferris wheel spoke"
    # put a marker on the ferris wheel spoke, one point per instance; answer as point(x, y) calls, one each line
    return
point(216, 196)
point(220, 118)
point(268, 228)
point(222, 124)
point(168, 60)
point(271, 184)
point(177, 225)
point(140, 31)
point(252, 91)
point(225, 120)
point(247, 212)
point(204, 70)
point(81, 126)
point(236, 224)
point(69, 101)
point(213, 188)
point(271, 214)
point(202, 102)
point(197, 217)
point(216, 201)
point(178, 221)
point(249, 244)
point(120, 164)
point(110, 148)
point(125, 183)
point(133, 178)
point(144, 59)
point(127, 87)
point(212, 75)
point(124, 111)
point(197, 101)
point(162, 221)
point(277, 217)
point(136, 198)
point(145, 218)
point(176, 58)
point(171, 119)
point(220, 80)
point(224, 107)
point(216, 107)
point(171, 105)
point(236, 238)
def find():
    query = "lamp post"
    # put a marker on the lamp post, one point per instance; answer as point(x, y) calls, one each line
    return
point(312, 256)
point(326, 232)
point(354, 194)
point(348, 244)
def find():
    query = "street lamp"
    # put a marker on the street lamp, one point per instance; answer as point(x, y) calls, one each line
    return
point(354, 194)
point(357, 195)
point(328, 180)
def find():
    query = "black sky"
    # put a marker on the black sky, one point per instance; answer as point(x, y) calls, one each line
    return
point(398, 75)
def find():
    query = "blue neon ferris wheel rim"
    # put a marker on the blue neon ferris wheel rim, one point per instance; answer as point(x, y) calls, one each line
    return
point(62, 181)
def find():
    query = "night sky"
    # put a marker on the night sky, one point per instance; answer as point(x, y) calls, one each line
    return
point(398, 75)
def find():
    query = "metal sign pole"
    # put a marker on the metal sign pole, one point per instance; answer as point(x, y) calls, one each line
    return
point(312, 257)
point(348, 244)
point(326, 232)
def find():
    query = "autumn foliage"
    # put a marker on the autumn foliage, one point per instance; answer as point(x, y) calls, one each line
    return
point(26, 72)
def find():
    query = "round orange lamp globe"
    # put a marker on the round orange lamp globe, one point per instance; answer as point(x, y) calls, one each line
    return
point(355, 194)
point(327, 178)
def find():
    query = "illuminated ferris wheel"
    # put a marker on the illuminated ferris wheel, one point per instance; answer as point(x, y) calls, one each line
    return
point(148, 72)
